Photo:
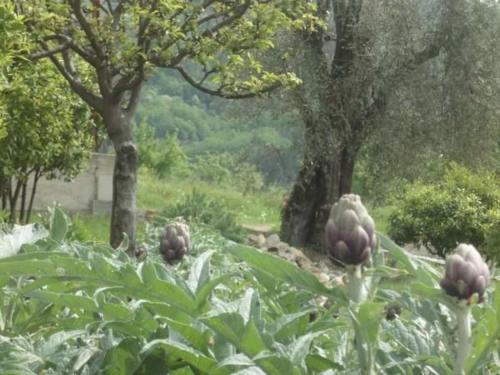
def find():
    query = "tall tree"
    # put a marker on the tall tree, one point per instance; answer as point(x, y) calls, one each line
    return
point(120, 41)
point(446, 110)
point(349, 68)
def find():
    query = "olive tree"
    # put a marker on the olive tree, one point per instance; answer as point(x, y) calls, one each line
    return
point(445, 107)
point(351, 69)
point(214, 45)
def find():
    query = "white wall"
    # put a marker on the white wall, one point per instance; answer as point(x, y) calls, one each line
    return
point(91, 191)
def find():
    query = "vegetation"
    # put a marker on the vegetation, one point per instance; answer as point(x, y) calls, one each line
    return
point(226, 309)
point(47, 133)
point(390, 77)
point(160, 195)
point(394, 100)
point(462, 207)
point(199, 208)
point(208, 44)
point(252, 131)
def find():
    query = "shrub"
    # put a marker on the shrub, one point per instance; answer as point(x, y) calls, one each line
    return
point(491, 247)
point(163, 156)
point(197, 207)
point(461, 208)
point(226, 169)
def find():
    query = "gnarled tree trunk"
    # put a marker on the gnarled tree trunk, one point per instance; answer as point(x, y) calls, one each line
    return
point(326, 174)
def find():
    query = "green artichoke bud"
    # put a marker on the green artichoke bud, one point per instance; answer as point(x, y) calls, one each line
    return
point(350, 232)
point(466, 273)
point(175, 242)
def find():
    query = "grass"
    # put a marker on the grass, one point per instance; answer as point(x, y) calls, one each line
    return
point(157, 194)
point(253, 208)
point(258, 208)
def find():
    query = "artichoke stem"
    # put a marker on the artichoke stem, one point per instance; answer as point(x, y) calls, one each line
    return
point(355, 286)
point(464, 338)
point(357, 294)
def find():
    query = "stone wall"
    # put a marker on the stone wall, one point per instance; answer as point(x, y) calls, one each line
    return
point(90, 192)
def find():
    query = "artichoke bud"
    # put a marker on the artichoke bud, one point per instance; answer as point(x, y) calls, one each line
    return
point(466, 274)
point(350, 232)
point(175, 242)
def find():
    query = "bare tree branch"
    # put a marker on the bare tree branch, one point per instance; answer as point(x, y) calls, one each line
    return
point(50, 52)
point(135, 92)
point(77, 10)
point(86, 95)
point(88, 57)
point(219, 92)
point(239, 11)
point(128, 83)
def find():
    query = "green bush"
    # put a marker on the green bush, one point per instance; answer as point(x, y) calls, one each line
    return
point(226, 169)
point(492, 241)
point(163, 156)
point(463, 207)
point(199, 208)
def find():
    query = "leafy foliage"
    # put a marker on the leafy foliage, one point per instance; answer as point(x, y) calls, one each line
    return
point(198, 207)
point(226, 310)
point(12, 43)
point(226, 169)
point(253, 132)
point(463, 207)
point(48, 132)
point(163, 156)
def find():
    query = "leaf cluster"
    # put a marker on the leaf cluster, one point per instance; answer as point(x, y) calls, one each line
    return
point(47, 127)
point(228, 309)
point(462, 207)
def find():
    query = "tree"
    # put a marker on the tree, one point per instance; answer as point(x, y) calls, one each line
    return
point(47, 134)
point(121, 41)
point(11, 43)
point(350, 69)
point(445, 111)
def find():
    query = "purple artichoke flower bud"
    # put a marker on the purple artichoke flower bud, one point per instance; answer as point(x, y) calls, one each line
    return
point(466, 273)
point(175, 242)
point(350, 232)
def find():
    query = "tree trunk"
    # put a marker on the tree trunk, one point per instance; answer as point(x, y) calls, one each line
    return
point(123, 213)
point(13, 197)
point(23, 203)
point(326, 174)
point(3, 192)
point(36, 177)
point(347, 163)
point(315, 188)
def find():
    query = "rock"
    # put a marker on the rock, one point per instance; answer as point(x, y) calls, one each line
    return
point(323, 278)
point(258, 240)
point(339, 280)
point(272, 240)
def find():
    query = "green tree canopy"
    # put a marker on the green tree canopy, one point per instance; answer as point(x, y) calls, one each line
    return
point(214, 45)
point(47, 133)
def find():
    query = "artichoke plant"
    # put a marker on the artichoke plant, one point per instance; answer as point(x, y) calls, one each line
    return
point(350, 240)
point(350, 232)
point(175, 242)
point(466, 274)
